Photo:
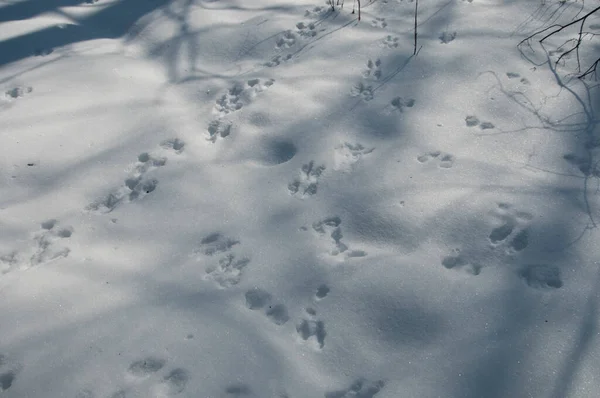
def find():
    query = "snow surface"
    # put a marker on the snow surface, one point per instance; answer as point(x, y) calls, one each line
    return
point(268, 198)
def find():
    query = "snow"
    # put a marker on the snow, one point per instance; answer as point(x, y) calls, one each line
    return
point(271, 199)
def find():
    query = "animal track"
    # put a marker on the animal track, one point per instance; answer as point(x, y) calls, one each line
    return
point(361, 388)
point(445, 160)
point(457, 261)
point(390, 42)
point(17, 92)
point(513, 226)
point(306, 30)
point(514, 75)
point(278, 60)
point(584, 165)
point(229, 269)
point(238, 390)
point(473, 121)
point(174, 382)
point(228, 272)
point(331, 226)
point(216, 243)
point(541, 276)
point(447, 37)
point(46, 247)
point(285, 41)
point(259, 299)
point(137, 185)
point(322, 292)
point(310, 328)
point(348, 154)
point(308, 182)
point(146, 366)
point(8, 373)
point(373, 70)
point(398, 104)
point(239, 95)
point(379, 23)
point(317, 12)
point(363, 91)
point(218, 129)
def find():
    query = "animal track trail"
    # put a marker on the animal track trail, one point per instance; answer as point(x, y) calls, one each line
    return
point(447, 37)
point(332, 226)
point(137, 185)
point(229, 269)
point(307, 183)
point(473, 121)
point(310, 329)
point(18, 92)
point(373, 70)
point(361, 388)
point(541, 276)
point(443, 160)
point(390, 42)
point(346, 155)
point(379, 23)
point(456, 261)
point(584, 164)
point(47, 245)
point(512, 233)
point(362, 90)
point(259, 299)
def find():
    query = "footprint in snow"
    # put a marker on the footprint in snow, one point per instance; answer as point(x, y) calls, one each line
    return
point(456, 261)
point(331, 226)
point(278, 60)
point(18, 92)
point(515, 75)
point(306, 184)
point(443, 160)
point(137, 185)
point(447, 37)
point(379, 23)
point(146, 366)
point(373, 69)
point(8, 373)
point(229, 269)
point(541, 276)
point(311, 329)
point(362, 90)
point(240, 95)
point(47, 245)
point(390, 42)
point(399, 104)
point(286, 40)
point(473, 121)
point(346, 155)
point(512, 232)
point(259, 299)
